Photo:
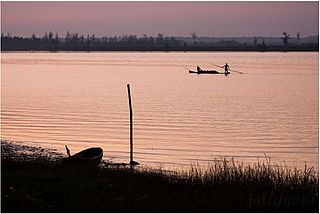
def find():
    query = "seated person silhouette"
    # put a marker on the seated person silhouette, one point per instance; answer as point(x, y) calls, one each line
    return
point(198, 69)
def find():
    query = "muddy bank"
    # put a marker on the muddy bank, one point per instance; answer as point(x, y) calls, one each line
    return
point(17, 151)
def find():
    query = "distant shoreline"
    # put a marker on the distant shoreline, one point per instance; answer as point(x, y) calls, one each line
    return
point(77, 42)
point(166, 51)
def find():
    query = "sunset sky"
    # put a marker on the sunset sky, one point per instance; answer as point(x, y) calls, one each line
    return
point(206, 18)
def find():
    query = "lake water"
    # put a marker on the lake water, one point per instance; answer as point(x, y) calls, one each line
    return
point(80, 100)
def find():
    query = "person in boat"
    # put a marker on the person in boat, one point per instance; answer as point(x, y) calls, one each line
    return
point(199, 69)
point(226, 68)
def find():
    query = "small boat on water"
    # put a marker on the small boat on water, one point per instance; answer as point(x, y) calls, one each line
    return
point(208, 72)
point(88, 158)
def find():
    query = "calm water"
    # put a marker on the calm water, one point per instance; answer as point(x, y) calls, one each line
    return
point(80, 100)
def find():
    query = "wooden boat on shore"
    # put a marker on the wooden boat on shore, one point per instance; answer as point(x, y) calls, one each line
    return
point(87, 158)
point(208, 72)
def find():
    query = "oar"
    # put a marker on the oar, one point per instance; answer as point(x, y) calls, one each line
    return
point(229, 69)
point(236, 71)
point(187, 69)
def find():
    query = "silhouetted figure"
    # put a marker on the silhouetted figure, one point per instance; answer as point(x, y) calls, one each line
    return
point(226, 68)
point(198, 69)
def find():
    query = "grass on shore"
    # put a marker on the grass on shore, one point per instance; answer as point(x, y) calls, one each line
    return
point(223, 186)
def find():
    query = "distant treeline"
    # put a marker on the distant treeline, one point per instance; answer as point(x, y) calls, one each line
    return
point(75, 42)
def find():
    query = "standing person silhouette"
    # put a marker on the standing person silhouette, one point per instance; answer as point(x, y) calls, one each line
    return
point(226, 68)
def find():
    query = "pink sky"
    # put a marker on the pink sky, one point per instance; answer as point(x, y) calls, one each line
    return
point(207, 18)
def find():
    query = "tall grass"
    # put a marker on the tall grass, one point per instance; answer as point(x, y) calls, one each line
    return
point(225, 185)
point(227, 171)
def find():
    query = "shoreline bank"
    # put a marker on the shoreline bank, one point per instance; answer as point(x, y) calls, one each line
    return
point(44, 185)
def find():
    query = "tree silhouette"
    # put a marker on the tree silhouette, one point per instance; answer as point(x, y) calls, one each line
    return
point(298, 37)
point(33, 37)
point(50, 35)
point(126, 42)
point(159, 39)
point(285, 37)
point(194, 37)
point(255, 41)
point(45, 36)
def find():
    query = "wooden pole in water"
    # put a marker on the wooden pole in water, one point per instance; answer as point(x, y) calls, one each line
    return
point(131, 126)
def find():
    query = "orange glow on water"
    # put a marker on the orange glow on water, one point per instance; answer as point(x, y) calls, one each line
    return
point(80, 100)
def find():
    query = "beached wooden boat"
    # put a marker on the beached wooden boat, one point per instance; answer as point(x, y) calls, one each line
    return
point(207, 72)
point(88, 157)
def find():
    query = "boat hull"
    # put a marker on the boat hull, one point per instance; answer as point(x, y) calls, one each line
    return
point(86, 158)
point(207, 72)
